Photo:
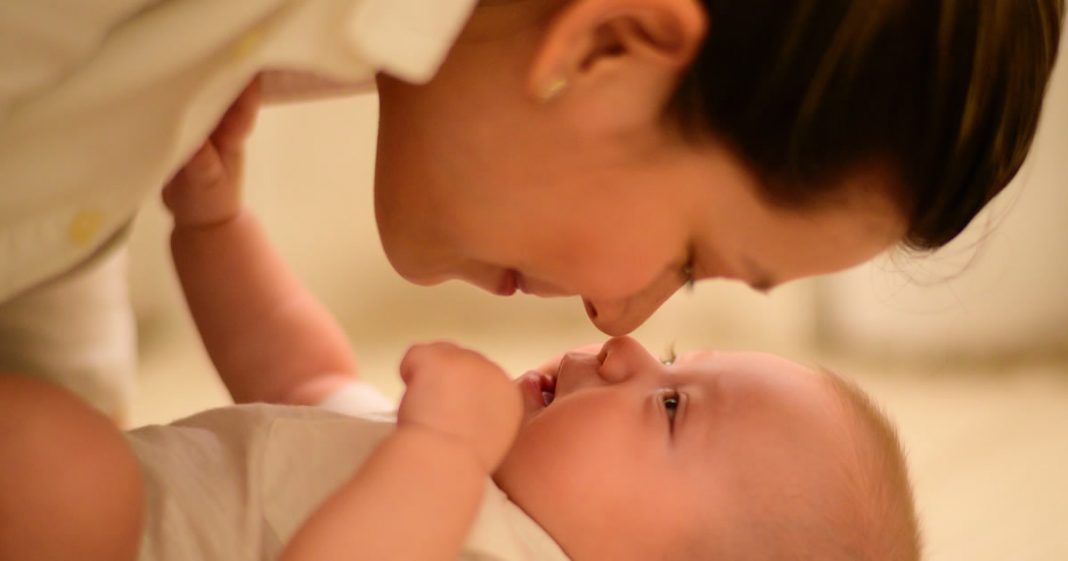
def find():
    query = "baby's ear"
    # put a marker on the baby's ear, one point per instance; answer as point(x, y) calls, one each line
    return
point(617, 60)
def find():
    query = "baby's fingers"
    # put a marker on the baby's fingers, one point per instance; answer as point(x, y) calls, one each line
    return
point(236, 124)
point(203, 170)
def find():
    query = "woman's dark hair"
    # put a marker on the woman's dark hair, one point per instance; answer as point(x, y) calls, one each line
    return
point(947, 93)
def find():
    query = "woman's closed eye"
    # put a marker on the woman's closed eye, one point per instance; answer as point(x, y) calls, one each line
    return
point(688, 278)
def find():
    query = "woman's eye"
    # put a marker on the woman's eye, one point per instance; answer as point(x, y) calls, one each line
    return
point(687, 275)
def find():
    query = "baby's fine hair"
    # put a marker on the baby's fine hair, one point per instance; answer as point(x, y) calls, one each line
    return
point(864, 511)
point(879, 522)
point(943, 95)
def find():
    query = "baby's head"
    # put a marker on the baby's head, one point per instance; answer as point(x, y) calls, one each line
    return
point(739, 456)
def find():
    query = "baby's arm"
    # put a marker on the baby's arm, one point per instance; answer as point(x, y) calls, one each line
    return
point(268, 337)
point(417, 495)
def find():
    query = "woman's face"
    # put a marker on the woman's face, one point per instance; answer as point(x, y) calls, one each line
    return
point(625, 237)
point(588, 195)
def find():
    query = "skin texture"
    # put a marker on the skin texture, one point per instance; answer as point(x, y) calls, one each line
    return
point(70, 487)
point(591, 193)
point(752, 433)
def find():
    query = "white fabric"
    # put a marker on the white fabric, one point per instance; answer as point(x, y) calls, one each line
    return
point(101, 102)
point(358, 399)
point(78, 332)
point(236, 483)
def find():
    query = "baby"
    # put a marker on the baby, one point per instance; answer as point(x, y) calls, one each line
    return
point(606, 455)
point(602, 455)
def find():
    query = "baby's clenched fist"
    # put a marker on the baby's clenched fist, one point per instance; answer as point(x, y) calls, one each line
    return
point(461, 395)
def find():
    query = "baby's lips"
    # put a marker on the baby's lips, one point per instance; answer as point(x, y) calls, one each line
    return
point(531, 386)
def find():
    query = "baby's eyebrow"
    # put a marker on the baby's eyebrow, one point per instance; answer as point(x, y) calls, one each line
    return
point(704, 409)
point(670, 355)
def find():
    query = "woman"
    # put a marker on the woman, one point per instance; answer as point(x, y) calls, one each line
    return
point(546, 124)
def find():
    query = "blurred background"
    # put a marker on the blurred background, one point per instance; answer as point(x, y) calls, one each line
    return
point(967, 349)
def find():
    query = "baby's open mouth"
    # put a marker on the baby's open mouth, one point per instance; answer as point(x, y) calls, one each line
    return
point(548, 389)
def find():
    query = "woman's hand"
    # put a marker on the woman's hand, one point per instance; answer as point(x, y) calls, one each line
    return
point(463, 396)
point(207, 190)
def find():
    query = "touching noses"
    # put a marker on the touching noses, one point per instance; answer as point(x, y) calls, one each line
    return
point(623, 358)
point(621, 316)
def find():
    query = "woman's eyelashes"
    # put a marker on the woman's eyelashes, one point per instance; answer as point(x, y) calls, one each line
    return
point(688, 279)
point(669, 358)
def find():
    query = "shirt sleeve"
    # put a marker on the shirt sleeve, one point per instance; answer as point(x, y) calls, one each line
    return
point(42, 41)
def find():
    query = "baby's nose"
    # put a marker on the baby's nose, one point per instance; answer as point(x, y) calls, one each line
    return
point(622, 358)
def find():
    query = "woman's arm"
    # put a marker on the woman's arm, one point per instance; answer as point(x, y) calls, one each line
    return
point(268, 337)
point(418, 494)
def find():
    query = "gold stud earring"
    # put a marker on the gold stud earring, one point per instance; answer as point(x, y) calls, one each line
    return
point(552, 89)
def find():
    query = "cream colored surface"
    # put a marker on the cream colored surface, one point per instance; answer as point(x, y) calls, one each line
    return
point(987, 436)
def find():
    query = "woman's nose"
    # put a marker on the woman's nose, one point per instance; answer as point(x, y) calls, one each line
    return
point(623, 358)
point(620, 317)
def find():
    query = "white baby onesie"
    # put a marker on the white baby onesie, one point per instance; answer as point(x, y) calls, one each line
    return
point(236, 483)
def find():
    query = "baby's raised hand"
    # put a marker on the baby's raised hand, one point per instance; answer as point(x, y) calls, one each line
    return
point(461, 395)
point(207, 190)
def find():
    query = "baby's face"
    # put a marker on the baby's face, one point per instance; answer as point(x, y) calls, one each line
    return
point(621, 456)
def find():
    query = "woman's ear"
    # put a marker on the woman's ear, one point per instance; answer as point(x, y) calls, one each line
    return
point(620, 55)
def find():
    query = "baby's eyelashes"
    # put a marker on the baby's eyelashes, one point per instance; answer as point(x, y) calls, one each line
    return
point(670, 402)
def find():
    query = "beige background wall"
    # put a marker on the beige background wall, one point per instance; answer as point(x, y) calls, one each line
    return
point(1001, 289)
point(971, 368)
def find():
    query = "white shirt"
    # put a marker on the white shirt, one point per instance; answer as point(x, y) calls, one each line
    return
point(101, 102)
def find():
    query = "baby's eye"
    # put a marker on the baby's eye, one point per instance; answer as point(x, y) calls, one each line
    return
point(671, 400)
